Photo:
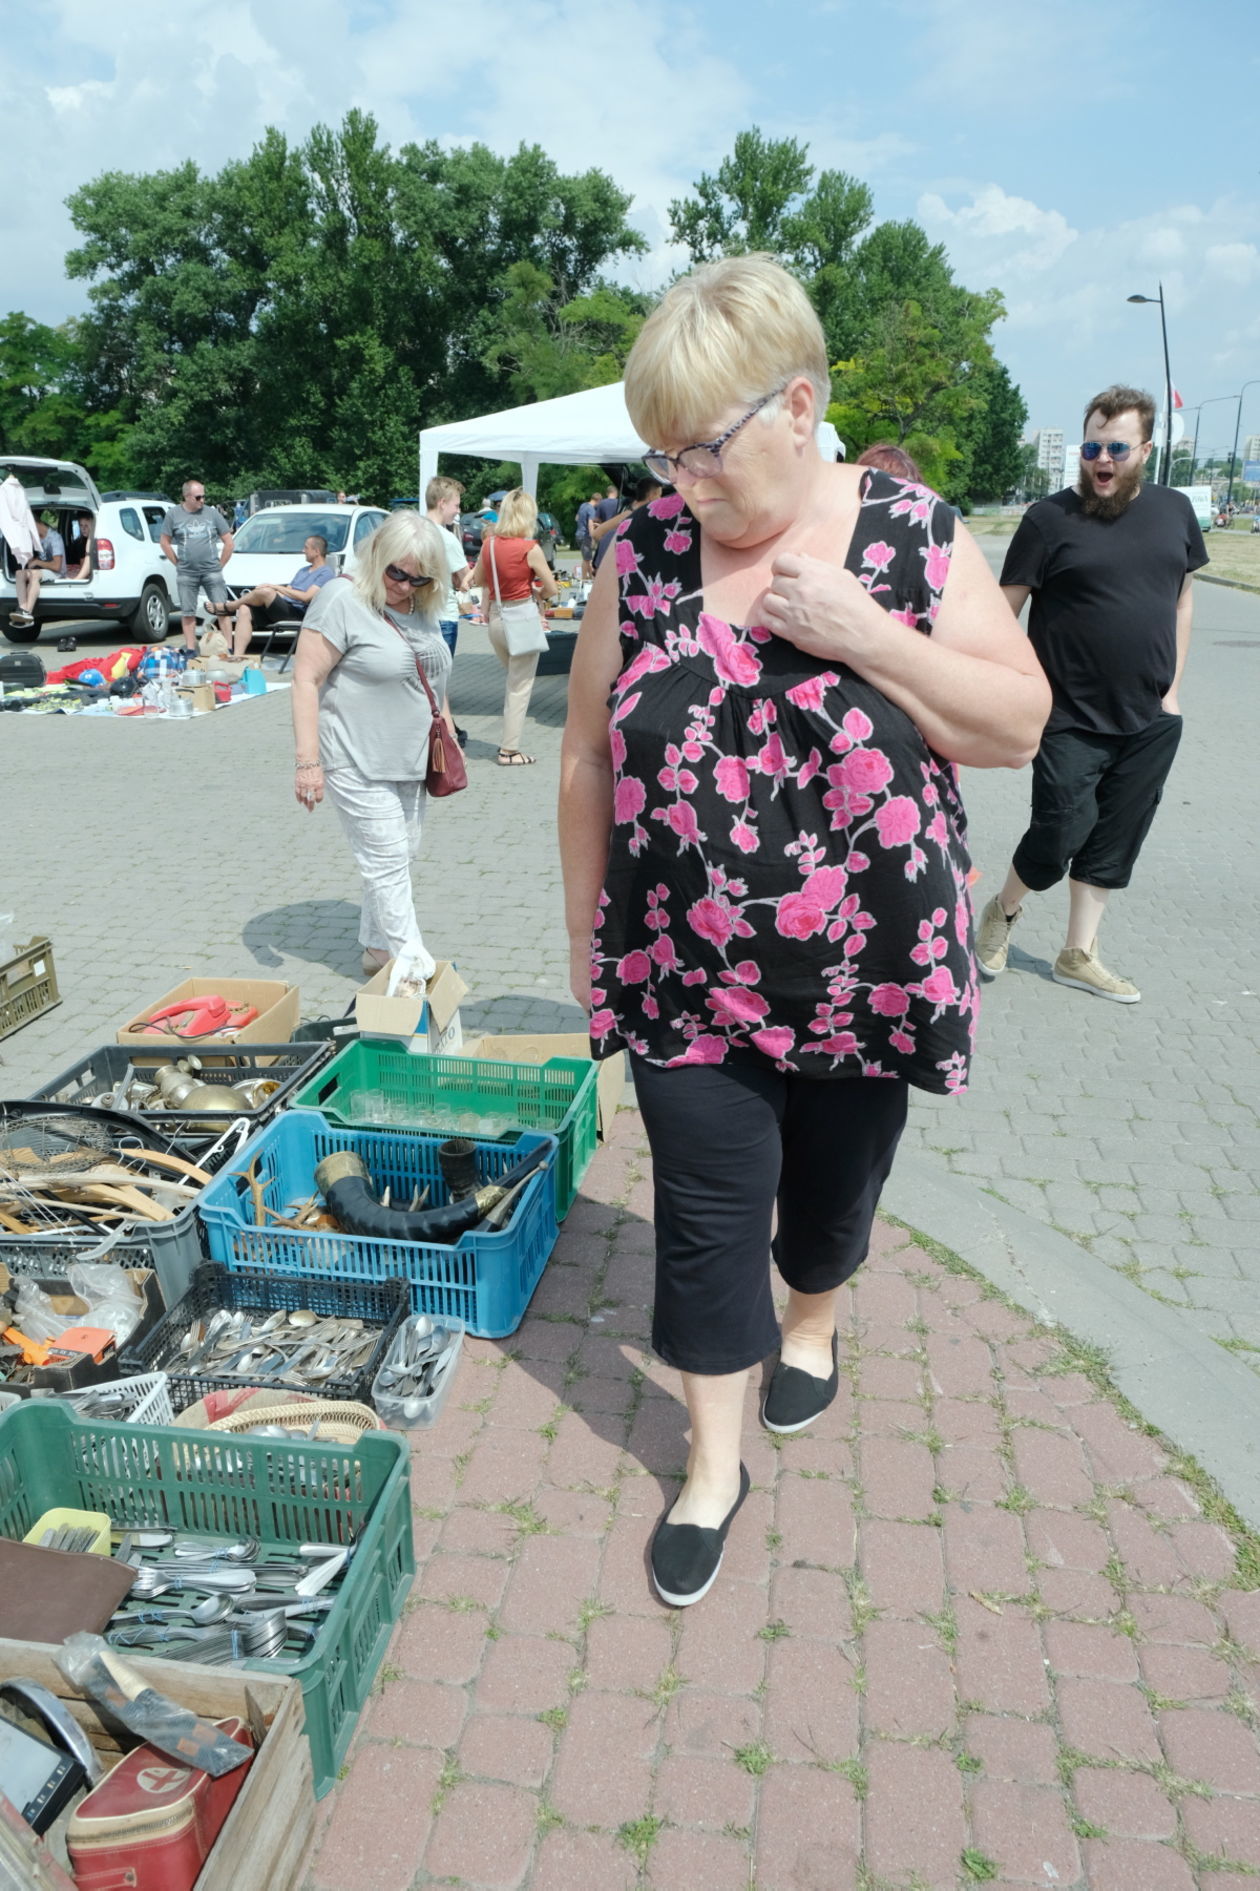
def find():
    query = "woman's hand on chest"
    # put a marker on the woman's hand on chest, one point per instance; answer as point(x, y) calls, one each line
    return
point(823, 609)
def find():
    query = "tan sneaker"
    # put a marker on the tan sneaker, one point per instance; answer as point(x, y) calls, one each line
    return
point(1086, 972)
point(993, 937)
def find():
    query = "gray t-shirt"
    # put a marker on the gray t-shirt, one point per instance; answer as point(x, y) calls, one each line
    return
point(195, 536)
point(374, 714)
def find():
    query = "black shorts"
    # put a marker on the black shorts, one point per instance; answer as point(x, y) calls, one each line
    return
point(279, 611)
point(1093, 800)
point(730, 1143)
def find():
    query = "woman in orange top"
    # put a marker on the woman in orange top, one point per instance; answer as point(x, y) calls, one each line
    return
point(512, 556)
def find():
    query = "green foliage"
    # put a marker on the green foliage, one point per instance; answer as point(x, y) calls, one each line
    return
point(297, 318)
point(43, 401)
point(914, 363)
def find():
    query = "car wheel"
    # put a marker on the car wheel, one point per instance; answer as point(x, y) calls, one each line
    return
point(19, 633)
point(152, 614)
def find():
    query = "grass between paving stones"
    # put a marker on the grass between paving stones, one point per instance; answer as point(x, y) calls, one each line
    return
point(639, 1835)
point(1093, 1363)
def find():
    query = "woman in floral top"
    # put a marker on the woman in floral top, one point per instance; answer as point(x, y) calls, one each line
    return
point(763, 843)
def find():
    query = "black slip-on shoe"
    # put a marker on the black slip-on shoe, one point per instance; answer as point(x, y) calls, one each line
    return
point(686, 1557)
point(795, 1398)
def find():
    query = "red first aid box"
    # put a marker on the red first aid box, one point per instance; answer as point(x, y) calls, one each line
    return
point(151, 1822)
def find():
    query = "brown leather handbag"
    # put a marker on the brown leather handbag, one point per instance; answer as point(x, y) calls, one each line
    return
point(446, 773)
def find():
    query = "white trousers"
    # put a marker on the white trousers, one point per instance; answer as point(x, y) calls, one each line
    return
point(520, 680)
point(383, 821)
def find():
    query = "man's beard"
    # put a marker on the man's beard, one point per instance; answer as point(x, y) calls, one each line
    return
point(1109, 505)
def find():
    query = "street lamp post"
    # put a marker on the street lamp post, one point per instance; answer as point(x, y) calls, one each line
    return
point(1163, 323)
point(1233, 458)
point(1210, 402)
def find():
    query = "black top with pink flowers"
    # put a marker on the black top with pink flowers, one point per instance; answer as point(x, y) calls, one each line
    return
point(787, 874)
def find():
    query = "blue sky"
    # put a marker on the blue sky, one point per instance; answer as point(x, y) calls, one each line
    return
point(1068, 155)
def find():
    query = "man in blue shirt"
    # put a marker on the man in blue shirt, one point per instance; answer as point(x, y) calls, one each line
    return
point(278, 603)
point(585, 515)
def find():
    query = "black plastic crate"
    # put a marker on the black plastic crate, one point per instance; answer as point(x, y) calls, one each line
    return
point(286, 1064)
point(385, 1303)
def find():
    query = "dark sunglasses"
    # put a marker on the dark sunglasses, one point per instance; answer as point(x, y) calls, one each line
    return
point(1114, 449)
point(405, 577)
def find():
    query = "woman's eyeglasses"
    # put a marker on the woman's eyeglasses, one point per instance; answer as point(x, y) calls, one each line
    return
point(703, 461)
point(1114, 449)
point(405, 577)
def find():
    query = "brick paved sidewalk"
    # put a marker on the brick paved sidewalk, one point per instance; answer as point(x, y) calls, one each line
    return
point(972, 1628)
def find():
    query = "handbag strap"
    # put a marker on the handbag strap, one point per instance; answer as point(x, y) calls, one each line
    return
point(428, 687)
point(494, 574)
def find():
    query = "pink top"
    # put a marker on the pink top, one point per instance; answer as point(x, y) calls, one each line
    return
point(510, 558)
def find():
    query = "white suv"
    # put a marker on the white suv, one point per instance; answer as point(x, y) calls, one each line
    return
point(130, 582)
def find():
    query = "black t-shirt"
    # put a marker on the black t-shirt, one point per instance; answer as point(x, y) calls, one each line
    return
point(1103, 618)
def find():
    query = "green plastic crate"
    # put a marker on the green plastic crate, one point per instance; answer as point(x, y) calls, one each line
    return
point(215, 1484)
point(558, 1097)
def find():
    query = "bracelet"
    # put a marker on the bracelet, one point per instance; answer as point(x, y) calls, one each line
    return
point(301, 768)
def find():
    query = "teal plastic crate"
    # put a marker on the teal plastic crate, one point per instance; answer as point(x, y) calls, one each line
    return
point(558, 1097)
point(284, 1493)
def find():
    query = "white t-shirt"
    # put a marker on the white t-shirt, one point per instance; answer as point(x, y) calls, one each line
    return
point(448, 610)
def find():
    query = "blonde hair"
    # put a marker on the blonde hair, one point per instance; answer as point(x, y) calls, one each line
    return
point(518, 515)
point(403, 535)
point(727, 334)
point(440, 489)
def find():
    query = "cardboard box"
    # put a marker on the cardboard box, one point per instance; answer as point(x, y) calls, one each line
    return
point(266, 1835)
point(430, 1023)
point(201, 697)
point(278, 1005)
point(537, 1048)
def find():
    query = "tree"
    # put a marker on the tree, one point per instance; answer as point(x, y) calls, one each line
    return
point(549, 348)
point(42, 401)
point(764, 197)
point(296, 318)
point(992, 437)
point(1034, 480)
point(911, 346)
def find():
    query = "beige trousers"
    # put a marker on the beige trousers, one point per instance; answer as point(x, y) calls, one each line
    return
point(520, 680)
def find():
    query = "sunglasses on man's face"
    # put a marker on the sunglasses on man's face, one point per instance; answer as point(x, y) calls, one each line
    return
point(1114, 449)
point(404, 577)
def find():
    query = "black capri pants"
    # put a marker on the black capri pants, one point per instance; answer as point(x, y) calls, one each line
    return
point(730, 1142)
point(1093, 800)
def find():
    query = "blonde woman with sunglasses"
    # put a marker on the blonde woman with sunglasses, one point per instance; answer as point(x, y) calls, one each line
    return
point(361, 719)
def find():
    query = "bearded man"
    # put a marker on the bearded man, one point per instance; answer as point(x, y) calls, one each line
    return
point(1108, 566)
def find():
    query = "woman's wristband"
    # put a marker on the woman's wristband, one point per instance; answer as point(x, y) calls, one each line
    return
point(302, 768)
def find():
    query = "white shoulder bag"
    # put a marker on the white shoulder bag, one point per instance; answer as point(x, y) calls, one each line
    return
point(523, 628)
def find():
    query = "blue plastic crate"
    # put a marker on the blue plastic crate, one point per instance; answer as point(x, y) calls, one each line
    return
point(557, 1098)
point(485, 1280)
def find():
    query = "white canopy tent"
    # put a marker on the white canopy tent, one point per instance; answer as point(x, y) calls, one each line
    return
point(587, 429)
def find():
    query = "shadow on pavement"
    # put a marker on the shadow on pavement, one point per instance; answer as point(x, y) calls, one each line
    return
point(323, 932)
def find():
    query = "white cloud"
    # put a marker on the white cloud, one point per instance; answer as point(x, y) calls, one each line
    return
point(998, 231)
point(1237, 262)
point(1163, 246)
point(639, 91)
